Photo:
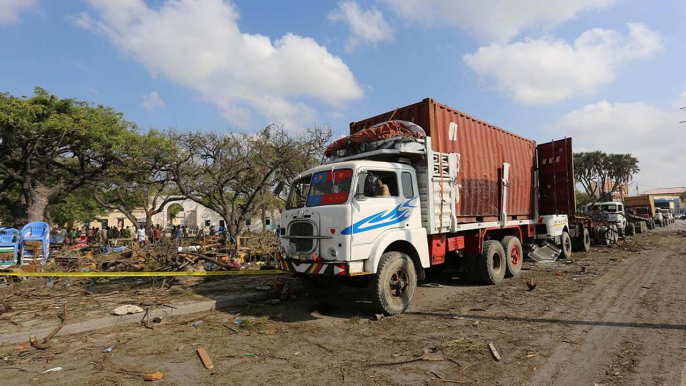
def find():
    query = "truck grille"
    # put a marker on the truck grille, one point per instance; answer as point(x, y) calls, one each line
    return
point(302, 228)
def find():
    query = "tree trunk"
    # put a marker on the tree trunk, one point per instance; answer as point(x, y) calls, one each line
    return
point(36, 203)
point(148, 220)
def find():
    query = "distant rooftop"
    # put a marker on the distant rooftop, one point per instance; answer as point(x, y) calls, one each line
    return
point(677, 190)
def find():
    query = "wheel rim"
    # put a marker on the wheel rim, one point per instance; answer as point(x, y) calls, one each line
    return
point(399, 282)
point(568, 245)
point(515, 256)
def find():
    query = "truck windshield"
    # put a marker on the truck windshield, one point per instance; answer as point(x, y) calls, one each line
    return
point(605, 208)
point(330, 187)
point(298, 194)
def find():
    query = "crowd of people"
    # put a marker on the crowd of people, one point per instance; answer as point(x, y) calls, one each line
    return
point(94, 235)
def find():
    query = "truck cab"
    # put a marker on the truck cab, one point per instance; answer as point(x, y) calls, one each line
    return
point(340, 217)
point(612, 212)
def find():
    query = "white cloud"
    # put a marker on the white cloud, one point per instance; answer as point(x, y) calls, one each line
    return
point(547, 70)
point(650, 133)
point(493, 20)
point(366, 26)
point(198, 44)
point(10, 9)
point(152, 101)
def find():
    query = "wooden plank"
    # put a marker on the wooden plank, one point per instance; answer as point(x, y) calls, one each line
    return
point(205, 358)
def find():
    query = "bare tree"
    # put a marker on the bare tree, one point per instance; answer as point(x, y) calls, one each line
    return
point(230, 173)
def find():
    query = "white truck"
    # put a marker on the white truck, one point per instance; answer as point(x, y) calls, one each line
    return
point(613, 213)
point(392, 204)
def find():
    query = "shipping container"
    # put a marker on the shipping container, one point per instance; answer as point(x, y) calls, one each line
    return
point(483, 149)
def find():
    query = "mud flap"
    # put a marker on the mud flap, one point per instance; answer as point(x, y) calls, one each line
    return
point(546, 252)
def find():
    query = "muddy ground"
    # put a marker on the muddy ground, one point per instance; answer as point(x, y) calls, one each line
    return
point(620, 322)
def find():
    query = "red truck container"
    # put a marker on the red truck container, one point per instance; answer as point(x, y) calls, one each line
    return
point(483, 149)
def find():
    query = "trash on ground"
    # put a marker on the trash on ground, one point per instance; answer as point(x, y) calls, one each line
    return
point(127, 309)
point(495, 353)
point(153, 376)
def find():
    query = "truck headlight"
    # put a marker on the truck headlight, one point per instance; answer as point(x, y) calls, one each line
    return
point(333, 253)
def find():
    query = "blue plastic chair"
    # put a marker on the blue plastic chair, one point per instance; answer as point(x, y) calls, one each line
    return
point(9, 238)
point(35, 231)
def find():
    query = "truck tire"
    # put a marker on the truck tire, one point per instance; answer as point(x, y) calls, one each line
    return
point(492, 263)
point(640, 227)
point(612, 234)
point(582, 243)
point(603, 237)
point(565, 245)
point(514, 255)
point(393, 286)
point(651, 225)
point(630, 230)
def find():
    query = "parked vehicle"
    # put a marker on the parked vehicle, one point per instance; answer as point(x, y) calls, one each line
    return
point(667, 216)
point(639, 210)
point(659, 218)
point(613, 213)
point(420, 187)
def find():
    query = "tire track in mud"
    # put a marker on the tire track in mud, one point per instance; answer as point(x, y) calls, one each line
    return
point(612, 313)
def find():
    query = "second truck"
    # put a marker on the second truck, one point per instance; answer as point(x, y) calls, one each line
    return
point(420, 187)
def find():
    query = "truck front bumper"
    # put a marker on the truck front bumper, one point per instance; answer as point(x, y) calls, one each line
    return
point(316, 268)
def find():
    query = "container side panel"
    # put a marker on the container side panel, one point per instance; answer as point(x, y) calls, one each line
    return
point(483, 149)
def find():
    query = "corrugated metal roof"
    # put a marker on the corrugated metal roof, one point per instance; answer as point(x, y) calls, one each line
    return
point(677, 190)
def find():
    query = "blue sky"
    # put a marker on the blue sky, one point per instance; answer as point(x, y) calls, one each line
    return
point(608, 73)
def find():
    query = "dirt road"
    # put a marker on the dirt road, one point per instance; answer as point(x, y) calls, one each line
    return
point(621, 322)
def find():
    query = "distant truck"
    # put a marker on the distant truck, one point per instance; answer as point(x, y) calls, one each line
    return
point(419, 187)
point(613, 213)
point(640, 208)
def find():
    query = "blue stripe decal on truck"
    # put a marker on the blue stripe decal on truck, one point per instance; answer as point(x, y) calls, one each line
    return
point(382, 219)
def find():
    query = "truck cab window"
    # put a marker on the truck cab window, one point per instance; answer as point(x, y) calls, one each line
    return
point(298, 194)
point(377, 183)
point(406, 178)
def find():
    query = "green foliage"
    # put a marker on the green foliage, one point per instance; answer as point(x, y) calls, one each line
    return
point(80, 206)
point(582, 199)
point(51, 147)
point(601, 174)
point(173, 210)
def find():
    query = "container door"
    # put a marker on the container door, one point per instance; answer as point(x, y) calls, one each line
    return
point(555, 162)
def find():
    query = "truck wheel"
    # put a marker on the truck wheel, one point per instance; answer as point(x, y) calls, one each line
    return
point(394, 284)
point(612, 234)
point(629, 230)
point(651, 225)
point(603, 237)
point(582, 243)
point(492, 263)
point(565, 245)
point(514, 255)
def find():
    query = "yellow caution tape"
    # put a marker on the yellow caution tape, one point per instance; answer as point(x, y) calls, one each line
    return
point(142, 274)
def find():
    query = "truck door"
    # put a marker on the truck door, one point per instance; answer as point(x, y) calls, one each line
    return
point(378, 206)
point(555, 165)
